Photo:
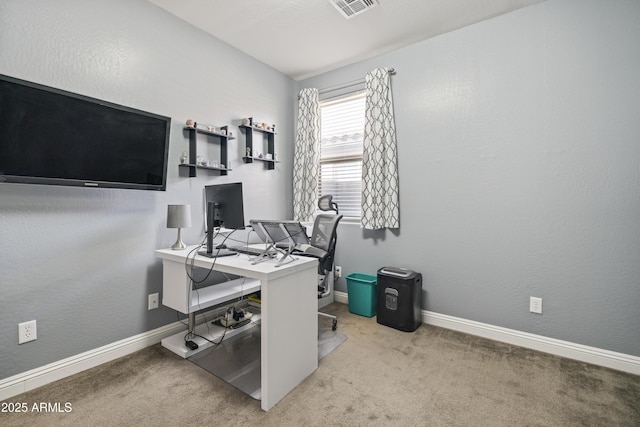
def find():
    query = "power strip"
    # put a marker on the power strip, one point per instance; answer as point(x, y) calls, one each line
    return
point(228, 322)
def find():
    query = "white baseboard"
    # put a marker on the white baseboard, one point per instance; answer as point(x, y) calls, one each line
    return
point(38, 377)
point(34, 378)
point(609, 359)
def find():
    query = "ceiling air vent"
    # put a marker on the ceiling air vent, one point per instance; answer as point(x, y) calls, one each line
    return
point(351, 8)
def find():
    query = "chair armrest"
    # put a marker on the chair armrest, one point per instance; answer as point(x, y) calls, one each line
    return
point(311, 251)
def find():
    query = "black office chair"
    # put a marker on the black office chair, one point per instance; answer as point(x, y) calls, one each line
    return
point(324, 238)
point(322, 245)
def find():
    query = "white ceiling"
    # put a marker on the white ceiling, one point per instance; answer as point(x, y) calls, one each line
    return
point(303, 38)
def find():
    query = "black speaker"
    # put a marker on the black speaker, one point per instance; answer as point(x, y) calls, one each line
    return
point(399, 298)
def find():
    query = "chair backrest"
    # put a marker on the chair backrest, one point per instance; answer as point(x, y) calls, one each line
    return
point(324, 231)
point(324, 236)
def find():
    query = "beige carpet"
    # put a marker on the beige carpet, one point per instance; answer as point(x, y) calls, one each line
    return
point(378, 377)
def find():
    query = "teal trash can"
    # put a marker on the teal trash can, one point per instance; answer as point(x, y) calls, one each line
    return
point(362, 291)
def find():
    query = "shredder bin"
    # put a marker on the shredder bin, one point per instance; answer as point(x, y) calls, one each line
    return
point(399, 298)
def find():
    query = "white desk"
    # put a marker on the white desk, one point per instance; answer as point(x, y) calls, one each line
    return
point(289, 323)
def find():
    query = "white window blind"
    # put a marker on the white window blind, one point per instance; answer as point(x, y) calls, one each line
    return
point(342, 132)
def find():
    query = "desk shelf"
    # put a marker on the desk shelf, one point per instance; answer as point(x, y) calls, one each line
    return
point(211, 332)
point(179, 294)
point(222, 292)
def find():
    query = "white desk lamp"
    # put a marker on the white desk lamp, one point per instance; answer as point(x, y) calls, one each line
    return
point(179, 216)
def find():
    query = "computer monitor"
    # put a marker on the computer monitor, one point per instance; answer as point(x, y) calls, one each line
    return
point(223, 203)
point(224, 208)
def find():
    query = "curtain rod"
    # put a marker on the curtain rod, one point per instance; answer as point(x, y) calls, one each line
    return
point(348, 84)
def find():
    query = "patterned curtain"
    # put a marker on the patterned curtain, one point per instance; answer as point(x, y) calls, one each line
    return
point(307, 155)
point(380, 203)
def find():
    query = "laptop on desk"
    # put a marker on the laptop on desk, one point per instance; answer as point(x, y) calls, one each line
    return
point(287, 235)
point(280, 233)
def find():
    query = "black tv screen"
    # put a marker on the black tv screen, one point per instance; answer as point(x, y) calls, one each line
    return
point(50, 136)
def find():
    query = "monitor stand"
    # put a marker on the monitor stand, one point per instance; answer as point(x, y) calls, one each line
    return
point(215, 253)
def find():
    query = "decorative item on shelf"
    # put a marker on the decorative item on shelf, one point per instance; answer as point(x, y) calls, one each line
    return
point(260, 156)
point(248, 151)
point(211, 128)
point(223, 131)
point(275, 156)
point(179, 216)
point(191, 123)
point(222, 166)
point(246, 122)
point(230, 134)
point(273, 128)
point(268, 156)
point(265, 126)
point(184, 158)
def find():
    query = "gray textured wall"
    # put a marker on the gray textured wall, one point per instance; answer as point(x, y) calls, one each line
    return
point(519, 148)
point(80, 261)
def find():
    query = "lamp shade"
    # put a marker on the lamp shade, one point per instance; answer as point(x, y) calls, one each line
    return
point(179, 216)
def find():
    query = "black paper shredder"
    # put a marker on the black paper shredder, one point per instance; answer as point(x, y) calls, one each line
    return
point(399, 298)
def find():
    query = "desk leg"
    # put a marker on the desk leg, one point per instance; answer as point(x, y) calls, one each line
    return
point(191, 325)
point(289, 346)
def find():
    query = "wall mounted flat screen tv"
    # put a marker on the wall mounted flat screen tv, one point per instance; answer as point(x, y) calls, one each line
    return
point(51, 136)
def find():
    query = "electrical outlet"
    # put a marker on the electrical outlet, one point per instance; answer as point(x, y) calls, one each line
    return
point(27, 332)
point(338, 272)
point(153, 301)
point(535, 305)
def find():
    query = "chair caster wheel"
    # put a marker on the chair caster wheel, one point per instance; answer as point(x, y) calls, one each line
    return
point(334, 325)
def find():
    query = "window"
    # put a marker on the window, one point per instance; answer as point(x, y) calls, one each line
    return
point(342, 133)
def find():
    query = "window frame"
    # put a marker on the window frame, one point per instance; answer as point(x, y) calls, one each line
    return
point(348, 157)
